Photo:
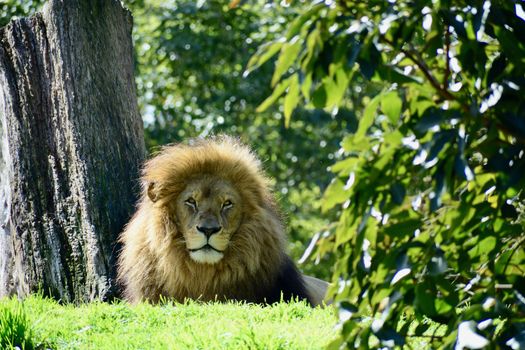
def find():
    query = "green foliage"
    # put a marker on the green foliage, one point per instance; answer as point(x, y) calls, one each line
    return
point(10, 9)
point(15, 329)
point(190, 62)
point(428, 187)
point(191, 325)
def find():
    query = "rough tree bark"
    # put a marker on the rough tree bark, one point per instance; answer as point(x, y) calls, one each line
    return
point(71, 146)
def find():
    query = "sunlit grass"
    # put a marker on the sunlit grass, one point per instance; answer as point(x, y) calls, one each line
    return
point(15, 329)
point(173, 326)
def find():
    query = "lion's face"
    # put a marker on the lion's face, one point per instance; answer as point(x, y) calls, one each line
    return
point(208, 212)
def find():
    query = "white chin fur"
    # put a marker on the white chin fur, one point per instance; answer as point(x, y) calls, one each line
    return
point(206, 256)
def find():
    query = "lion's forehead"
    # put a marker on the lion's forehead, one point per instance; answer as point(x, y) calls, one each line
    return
point(210, 189)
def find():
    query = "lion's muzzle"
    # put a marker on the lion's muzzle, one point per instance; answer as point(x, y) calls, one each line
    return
point(207, 244)
point(208, 230)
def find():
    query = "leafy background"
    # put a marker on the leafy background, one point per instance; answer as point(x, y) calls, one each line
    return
point(416, 109)
point(428, 190)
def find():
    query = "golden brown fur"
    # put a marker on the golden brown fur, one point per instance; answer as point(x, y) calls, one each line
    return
point(155, 258)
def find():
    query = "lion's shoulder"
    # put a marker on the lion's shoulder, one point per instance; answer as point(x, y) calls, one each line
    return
point(288, 284)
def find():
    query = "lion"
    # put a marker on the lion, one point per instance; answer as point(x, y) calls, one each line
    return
point(207, 227)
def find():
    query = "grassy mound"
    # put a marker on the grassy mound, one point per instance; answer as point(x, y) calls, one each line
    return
point(42, 323)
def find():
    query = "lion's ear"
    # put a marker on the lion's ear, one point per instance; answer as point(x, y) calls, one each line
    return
point(153, 192)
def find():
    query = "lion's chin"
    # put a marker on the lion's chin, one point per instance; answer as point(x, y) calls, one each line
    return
point(206, 256)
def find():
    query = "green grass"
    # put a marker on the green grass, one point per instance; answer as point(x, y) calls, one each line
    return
point(15, 328)
point(48, 324)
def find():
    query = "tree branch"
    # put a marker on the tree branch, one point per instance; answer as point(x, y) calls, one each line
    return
point(416, 58)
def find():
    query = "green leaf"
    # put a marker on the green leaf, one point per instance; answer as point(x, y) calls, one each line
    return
point(335, 194)
point(277, 92)
point(287, 57)
point(403, 228)
point(336, 87)
point(351, 144)
point(442, 307)
point(378, 276)
point(346, 229)
point(425, 296)
point(291, 100)
point(263, 54)
point(314, 45)
point(319, 97)
point(368, 118)
point(383, 162)
point(345, 166)
point(300, 21)
point(484, 247)
point(306, 85)
point(391, 105)
point(510, 262)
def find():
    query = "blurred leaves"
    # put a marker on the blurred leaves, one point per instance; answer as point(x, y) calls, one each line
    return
point(11, 9)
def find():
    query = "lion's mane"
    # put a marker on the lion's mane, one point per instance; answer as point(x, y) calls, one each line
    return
point(154, 260)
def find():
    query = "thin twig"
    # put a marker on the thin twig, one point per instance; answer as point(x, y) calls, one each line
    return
point(514, 248)
point(422, 336)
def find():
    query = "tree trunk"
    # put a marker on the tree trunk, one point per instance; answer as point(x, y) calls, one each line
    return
point(72, 142)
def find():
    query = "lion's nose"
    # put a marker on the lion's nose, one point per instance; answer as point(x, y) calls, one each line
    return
point(208, 230)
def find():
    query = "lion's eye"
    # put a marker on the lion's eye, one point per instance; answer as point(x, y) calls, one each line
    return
point(227, 204)
point(191, 202)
